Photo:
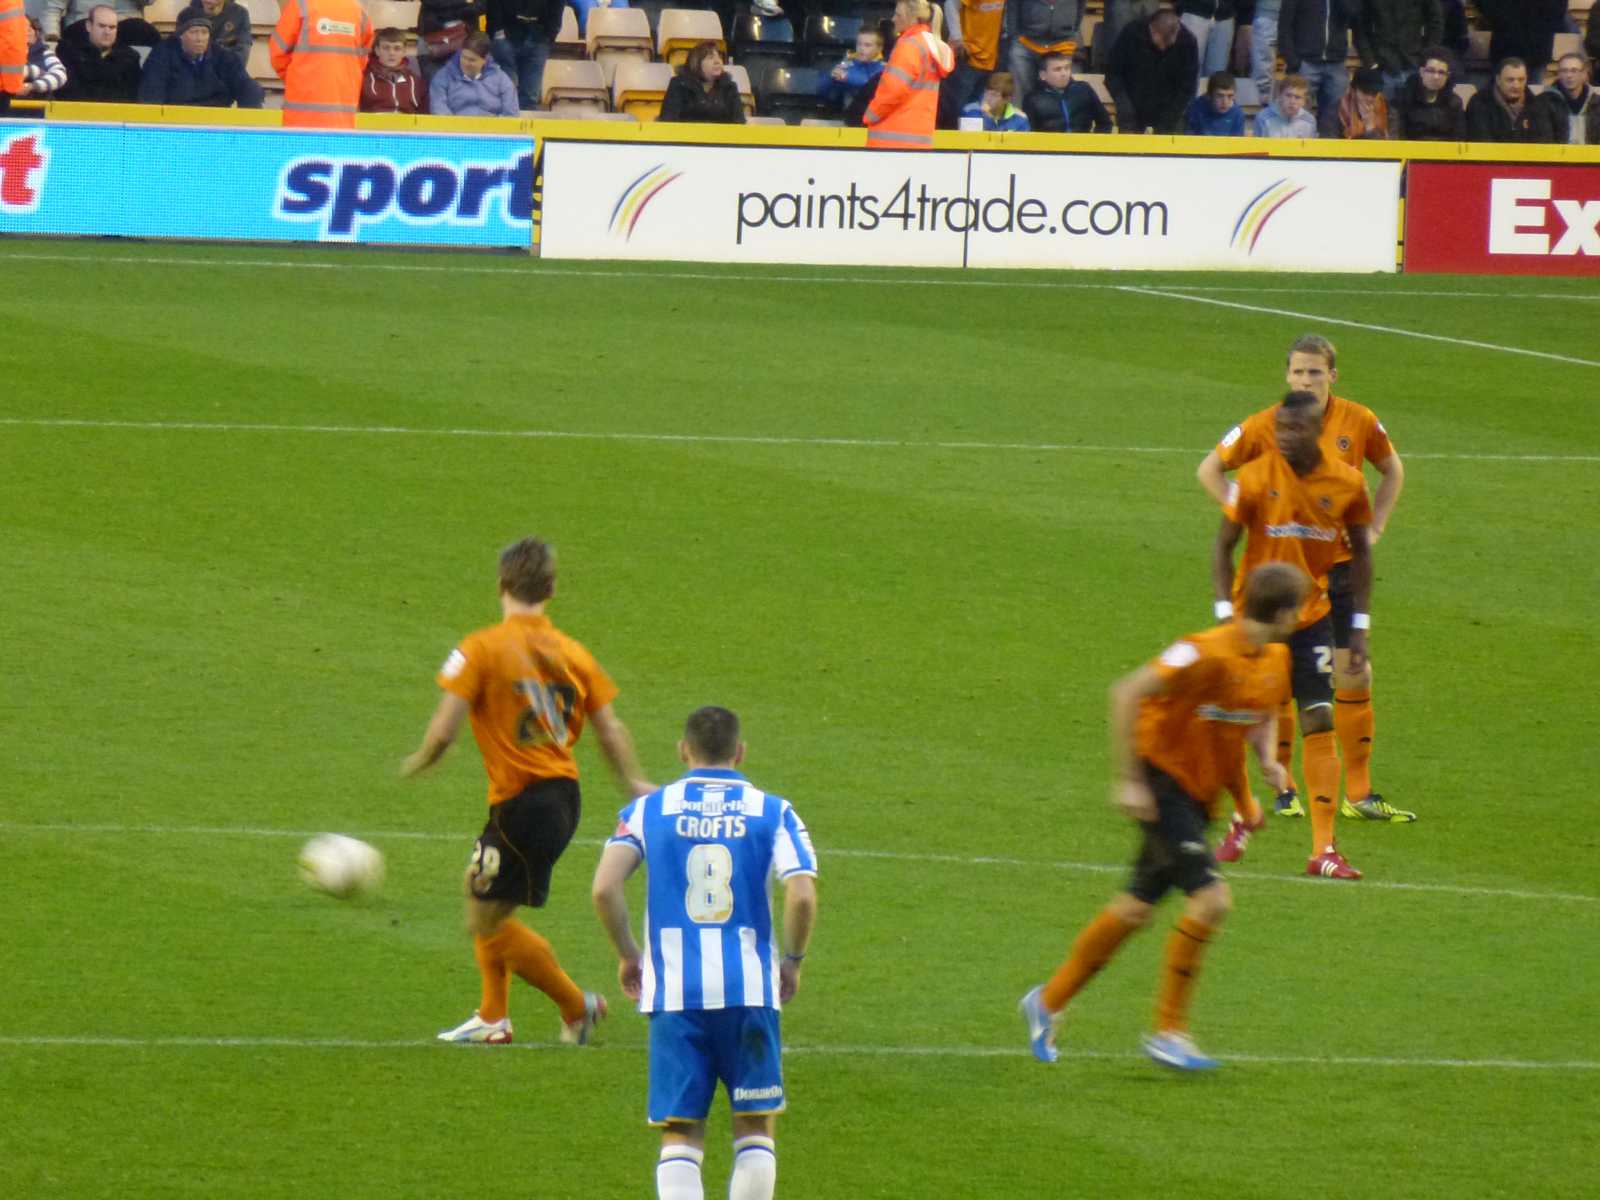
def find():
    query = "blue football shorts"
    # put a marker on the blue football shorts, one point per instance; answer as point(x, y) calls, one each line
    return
point(690, 1051)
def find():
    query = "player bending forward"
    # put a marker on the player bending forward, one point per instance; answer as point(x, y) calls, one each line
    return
point(528, 688)
point(1178, 728)
point(710, 978)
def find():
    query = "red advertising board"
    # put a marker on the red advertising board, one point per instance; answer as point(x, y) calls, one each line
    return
point(1503, 219)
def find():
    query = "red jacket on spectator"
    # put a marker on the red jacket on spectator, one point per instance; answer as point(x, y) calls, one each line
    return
point(386, 91)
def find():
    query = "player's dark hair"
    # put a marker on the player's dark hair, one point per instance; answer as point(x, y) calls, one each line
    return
point(1165, 20)
point(712, 734)
point(528, 571)
point(478, 43)
point(1049, 57)
point(697, 57)
point(389, 35)
point(1512, 61)
point(1273, 587)
point(1314, 343)
point(1294, 400)
point(1221, 81)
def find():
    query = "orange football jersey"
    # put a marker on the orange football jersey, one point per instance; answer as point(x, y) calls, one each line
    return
point(1351, 433)
point(1295, 519)
point(1218, 686)
point(530, 687)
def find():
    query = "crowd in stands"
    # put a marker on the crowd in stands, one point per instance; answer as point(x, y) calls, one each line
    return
point(1489, 71)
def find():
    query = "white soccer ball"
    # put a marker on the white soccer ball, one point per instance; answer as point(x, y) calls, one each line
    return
point(341, 866)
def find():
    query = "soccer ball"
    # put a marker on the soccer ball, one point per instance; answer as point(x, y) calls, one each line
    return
point(341, 866)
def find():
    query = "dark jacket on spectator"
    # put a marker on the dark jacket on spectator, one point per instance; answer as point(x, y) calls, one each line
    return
point(687, 100)
point(521, 20)
point(1392, 34)
point(230, 28)
point(105, 79)
point(1074, 109)
point(386, 91)
point(1152, 88)
point(1524, 29)
point(1591, 40)
point(1315, 31)
point(1488, 120)
point(1586, 112)
point(216, 80)
point(436, 14)
point(1414, 119)
point(1045, 22)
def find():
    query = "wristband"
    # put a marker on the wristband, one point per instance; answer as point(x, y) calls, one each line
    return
point(794, 958)
point(1223, 609)
point(1360, 620)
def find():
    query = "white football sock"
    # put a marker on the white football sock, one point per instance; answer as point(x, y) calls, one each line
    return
point(678, 1173)
point(755, 1169)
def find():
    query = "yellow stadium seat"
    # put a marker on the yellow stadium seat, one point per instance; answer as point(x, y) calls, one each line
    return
point(680, 30)
point(574, 87)
point(639, 89)
point(746, 92)
point(619, 29)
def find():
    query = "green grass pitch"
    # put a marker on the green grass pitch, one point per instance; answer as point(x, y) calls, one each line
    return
point(910, 526)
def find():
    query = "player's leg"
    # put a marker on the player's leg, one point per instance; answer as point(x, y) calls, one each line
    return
point(486, 914)
point(682, 1081)
point(1353, 719)
point(1311, 674)
point(1288, 801)
point(749, 1060)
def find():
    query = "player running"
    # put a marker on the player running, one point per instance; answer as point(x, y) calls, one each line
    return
point(710, 978)
point(1352, 434)
point(1295, 504)
point(1179, 725)
point(528, 689)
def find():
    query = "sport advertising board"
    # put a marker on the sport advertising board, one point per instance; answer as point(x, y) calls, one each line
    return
point(1503, 219)
point(739, 204)
point(253, 184)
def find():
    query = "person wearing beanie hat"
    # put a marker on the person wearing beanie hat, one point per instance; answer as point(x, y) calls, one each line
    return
point(184, 69)
point(230, 25)
point(1363, 111)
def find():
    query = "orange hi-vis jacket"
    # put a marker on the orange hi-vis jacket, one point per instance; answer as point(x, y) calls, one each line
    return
point(320, 50)
point(13, 47)
point(906, 104)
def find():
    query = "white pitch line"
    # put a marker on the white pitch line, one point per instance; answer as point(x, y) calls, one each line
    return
point(981, 860)
point(837, 1051)
point(534, 268)
point(1410, 333)
point(713, 439)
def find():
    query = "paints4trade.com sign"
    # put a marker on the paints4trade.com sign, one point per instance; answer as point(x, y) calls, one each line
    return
point(1503, 219)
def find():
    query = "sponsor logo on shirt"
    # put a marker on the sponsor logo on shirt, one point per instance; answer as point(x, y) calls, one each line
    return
point(1179, 655)
point(1229, 716)
point(1309, 533)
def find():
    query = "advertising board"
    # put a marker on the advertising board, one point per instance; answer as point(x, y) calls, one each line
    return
point(1503, 219)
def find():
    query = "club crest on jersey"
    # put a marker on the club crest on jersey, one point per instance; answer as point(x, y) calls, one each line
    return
point(1344, 442)
point(1326, 502)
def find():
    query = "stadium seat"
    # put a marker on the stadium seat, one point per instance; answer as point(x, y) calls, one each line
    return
point(765, 121)
point(829, 39)
point(820, 123)
point(1246, 95)
point(639, 88)
point(401, 14)
point(574, 87)
point(263, 15)
point(614, 34)
point(792, 92)
point(1567, 43)
point(1084, 55)
point(755, 36)
point(746, 92)
point(259, 66)
point(652, 9)
point(569, 42)
point(681, 29)
point(163, 14)
point(1466, 91)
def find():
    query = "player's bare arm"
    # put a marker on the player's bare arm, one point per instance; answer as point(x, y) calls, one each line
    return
point(799, 918)
point(617, 862)
point(1361, 591)
point(442, 730)
point(616, 744)
point(1129, 791)
point(1213, 476)
point(1228, 534)
point(1263, 738)
point(1393, 478)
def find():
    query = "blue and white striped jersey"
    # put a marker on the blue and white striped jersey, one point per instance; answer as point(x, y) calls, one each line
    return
point(712, 844)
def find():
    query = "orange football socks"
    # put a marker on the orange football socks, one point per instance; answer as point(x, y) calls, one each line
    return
point(1186, 945)
point(1321, 764)
point(1092, 950)
point(1353, 721)
point(518, 948)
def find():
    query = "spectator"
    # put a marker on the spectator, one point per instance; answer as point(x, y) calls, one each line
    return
point(230, 25)
point(1524, 29)
point(1363, 112)
point(44, 74)
point(1153, 74)
point(1286, 116)
point(1119, 14)
point(1428, 109)
point(472, 84)
point(98, 69)
point(905, 102)
point(184, 69)
point(1264, 45)
point(1392, 34)
point(703, 91)
point(522, 33)
point(1217, 113)
point(1211, 22)
point(994, 107)
point(1061, 104)
point(391, 84)
point(1502, 112)
point(1042, 27)
point(58, 14)
point(443, 27)
point(1574, 105)
point(973, 31)
point(1314, 39)
point(858, 69)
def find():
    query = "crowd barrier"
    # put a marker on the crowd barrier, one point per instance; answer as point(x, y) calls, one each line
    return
point(621, 190)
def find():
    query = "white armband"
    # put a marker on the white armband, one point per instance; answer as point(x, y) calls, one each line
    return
point(1360, 620)
point(1223, 609)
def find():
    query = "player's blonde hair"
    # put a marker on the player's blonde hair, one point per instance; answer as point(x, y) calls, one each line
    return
point(528, 571)
point(1313, 343)
point(1273, 587)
